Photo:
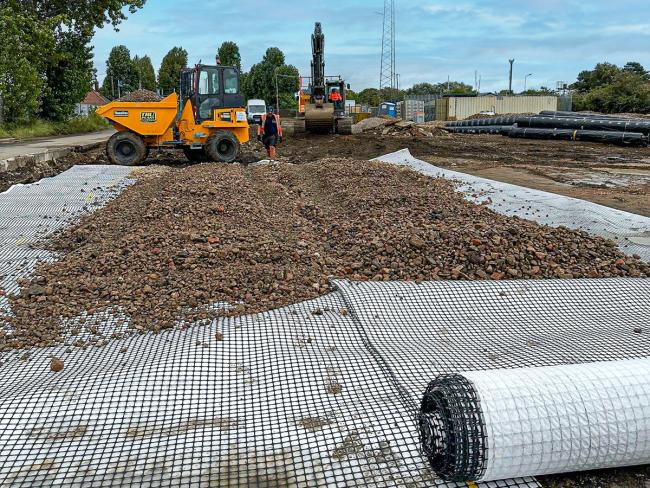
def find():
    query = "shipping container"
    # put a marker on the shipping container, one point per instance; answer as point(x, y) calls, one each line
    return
point(414, 110)
point(460, 108)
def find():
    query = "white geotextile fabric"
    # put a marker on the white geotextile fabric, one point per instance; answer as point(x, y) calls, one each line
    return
point(631, 231)
point(564, 418)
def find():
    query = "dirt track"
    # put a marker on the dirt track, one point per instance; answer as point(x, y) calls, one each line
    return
point(617, 177)
point(182, 239)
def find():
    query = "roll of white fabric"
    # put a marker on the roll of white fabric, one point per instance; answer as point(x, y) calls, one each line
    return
point(559, 419)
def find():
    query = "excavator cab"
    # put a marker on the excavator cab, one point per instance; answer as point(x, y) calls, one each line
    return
point(338, 85)
point(210, 88)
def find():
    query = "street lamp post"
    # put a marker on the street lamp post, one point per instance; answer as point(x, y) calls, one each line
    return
point(277, 93)
point(526, 80)
point(277, 89)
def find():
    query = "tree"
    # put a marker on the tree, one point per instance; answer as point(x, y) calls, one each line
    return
point(370, 97)
point(26, 46)
point(542, 90)
point(229, 55)
point(423, 89)
point(445, 87)
point(274, 56)
point(610, 89)
point(121, 73)
point(260, 81)
point(629, 92)
point(456, 88)
point(169, 74)
point(45, 53)
point(603, 74)
point(83, 20)
point(146, 73)
point(637, 69)
point(69, 76)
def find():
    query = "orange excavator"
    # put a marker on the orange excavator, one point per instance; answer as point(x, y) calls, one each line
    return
point(324, 99)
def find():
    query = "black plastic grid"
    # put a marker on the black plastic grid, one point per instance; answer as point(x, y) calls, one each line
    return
point(452, 429)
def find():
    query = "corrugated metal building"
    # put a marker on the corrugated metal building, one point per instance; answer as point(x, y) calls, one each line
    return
point(459, 108)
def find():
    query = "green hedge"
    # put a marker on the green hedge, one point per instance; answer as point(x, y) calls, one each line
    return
point(44, 128)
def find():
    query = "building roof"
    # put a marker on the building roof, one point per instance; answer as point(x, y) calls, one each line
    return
point(94, 98)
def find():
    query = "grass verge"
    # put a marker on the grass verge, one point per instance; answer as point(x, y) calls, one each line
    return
point(44, 128)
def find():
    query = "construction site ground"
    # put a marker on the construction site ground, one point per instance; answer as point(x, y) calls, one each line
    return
point(617, 177)
point(369, 231)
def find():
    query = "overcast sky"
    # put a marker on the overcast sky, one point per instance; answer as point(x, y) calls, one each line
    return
point(552, 39)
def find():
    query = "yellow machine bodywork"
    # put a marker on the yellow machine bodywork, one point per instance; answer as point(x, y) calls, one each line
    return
point(156, 122)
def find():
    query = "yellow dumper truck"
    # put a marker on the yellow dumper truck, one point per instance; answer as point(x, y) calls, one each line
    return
point(207, 121)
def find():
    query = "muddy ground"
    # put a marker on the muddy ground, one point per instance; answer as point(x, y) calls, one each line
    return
point(613, 176)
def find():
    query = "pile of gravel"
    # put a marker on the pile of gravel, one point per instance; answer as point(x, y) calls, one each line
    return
point(370, 124)
point(141, 95)
point(177, 241)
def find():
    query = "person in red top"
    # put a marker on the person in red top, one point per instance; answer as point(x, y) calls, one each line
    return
point(336, 98)
point(269, 132)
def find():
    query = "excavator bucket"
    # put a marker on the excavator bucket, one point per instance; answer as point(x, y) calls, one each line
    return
point(319, 119)
point(143, 118)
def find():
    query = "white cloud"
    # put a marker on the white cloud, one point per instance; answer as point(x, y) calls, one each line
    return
point(628, 29)
point(470, 11)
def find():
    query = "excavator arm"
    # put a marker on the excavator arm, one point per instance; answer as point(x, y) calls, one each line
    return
point(321, 116)
point(318, 64)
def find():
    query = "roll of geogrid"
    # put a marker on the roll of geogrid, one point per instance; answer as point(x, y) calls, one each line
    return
point(501, 424)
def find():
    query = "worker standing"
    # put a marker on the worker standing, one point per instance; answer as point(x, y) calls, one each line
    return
point(269, 132)
point(336, 98)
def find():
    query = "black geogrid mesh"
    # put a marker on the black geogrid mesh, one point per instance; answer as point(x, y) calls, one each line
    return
point(452, 429)
point(291, 397)
point(323, 393)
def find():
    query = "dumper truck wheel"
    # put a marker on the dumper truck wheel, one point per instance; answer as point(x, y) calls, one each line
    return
point(195, 155)
point(223, 147)
point(126, 149)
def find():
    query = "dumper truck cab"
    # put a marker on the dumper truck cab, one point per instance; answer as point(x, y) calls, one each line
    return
point(256, 109)
point(207, 120)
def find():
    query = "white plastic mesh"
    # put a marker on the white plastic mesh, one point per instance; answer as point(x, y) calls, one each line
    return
point(564, 418)
point(631, 231)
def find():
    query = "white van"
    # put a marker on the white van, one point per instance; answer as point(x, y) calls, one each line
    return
point(255, 109)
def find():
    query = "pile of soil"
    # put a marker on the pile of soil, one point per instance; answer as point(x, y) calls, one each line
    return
point(180, 240)
point(141, 95)
point(407, 129)
point(368, 124)
point(398, 128)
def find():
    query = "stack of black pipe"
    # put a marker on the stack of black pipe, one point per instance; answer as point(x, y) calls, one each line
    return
point(570, 126)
